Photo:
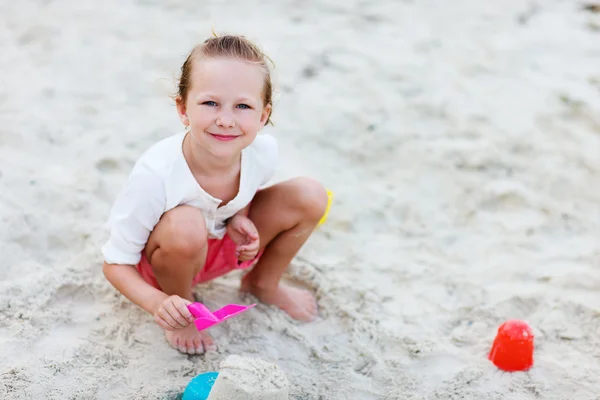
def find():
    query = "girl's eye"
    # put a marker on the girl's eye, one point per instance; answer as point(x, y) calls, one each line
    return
point(209, 103)
point(243, 106)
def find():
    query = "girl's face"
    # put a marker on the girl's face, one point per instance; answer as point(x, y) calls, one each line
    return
point(224, 106)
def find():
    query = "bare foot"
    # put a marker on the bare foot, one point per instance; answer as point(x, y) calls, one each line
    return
point(300, 304)
point(190, 341)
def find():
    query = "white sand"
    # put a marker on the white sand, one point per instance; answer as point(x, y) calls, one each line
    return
point(246, 378)
point(462, 141)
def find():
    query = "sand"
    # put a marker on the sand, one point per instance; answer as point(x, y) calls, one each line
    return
point(461, 140)
point(245, 378)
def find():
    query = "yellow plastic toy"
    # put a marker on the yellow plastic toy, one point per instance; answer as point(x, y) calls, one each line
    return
point(329, 201)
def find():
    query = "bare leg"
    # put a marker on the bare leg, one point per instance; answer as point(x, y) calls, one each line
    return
point(177, 251)
point(285, 215)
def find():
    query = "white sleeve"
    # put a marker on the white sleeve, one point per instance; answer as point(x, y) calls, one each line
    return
point(134, 215)
point(269, 155)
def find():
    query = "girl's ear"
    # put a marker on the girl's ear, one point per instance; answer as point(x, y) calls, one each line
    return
point(182, 111)
point(266, 113)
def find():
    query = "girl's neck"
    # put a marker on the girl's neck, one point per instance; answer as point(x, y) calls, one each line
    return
point(202, 162)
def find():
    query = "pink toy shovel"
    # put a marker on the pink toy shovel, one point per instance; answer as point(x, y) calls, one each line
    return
point(204, 319)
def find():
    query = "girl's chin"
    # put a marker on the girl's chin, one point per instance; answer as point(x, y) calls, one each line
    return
point(224, 150)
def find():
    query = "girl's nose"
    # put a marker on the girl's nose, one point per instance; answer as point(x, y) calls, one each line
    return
point(225, 119)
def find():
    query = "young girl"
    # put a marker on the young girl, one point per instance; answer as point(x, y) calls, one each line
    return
point(194, 206)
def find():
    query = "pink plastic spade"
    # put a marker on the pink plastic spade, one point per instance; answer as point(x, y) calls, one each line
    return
point(204, 318)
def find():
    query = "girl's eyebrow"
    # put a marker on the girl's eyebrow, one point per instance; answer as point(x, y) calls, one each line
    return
point(246, 99)
point(243, 98)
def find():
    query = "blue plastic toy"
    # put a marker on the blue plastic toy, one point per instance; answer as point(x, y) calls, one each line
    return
point(199, 388)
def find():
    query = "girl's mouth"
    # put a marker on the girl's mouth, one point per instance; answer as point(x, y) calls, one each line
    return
point(223, 138)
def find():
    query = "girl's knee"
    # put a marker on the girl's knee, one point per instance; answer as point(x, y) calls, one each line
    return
point(310, 197)
point(183, 232)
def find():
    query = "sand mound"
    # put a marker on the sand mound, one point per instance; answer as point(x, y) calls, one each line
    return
point(244, 378)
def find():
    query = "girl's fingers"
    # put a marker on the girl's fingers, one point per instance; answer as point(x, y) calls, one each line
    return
point(175, 315)
point(183, 310)
point(170, 321)
point(248, 247)
point(247, 255)
point(250, 230)
point(163, 324)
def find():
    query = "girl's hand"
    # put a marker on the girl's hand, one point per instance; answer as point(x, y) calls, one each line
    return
point(172, 314)
point(245, 235)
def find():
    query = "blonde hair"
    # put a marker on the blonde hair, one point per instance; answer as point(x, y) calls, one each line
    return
point(231, 46)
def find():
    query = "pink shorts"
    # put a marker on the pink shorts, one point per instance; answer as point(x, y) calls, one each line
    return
point(220, 260)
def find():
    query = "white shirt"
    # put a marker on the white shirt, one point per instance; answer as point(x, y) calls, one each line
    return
point(161, 180)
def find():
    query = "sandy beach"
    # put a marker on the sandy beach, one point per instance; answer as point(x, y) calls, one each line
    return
point(461, 140)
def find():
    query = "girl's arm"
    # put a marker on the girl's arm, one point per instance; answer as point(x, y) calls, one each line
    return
point(136, 211)
point(127, 280)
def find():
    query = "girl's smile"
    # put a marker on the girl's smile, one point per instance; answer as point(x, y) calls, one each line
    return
point(222, 137)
